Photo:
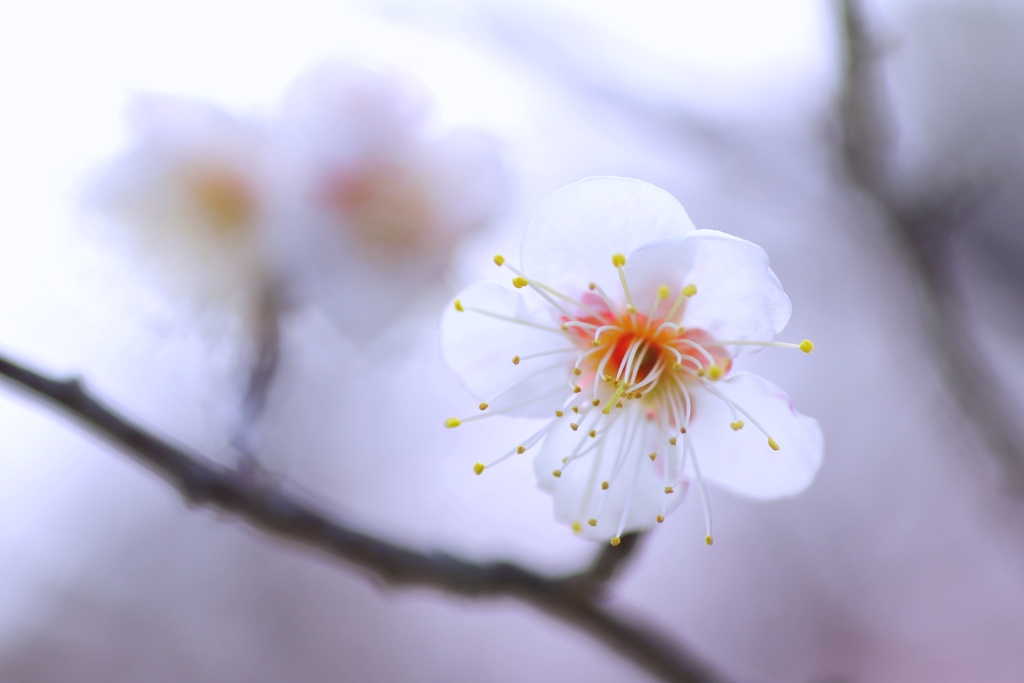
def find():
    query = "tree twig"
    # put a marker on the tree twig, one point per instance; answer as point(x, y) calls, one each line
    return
point(263, 502)
point(925, 226)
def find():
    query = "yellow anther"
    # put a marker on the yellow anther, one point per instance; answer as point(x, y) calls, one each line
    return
point(700, 372)
point(557, 473)
point(499, 260)
point(630, 308)
point(604, 486)
point(737, 425)
point(682, 430)
point(452, 422)
point(618, 260)
point(660, 519)
point(669, 489)
point(592, 522)
point(653, 456)
point(515, 360)
point(709, 540)
point(577, 371)
point(618, 404)
point(771, 442)
point(591, 286)
point(663, 292)
point(676, 367)
point(576, 390)
point(521, 450)
point(519, 282)
point(559, 413)
point(576, 528)
point(595, 343)
point(672, 441)
point(593, 433)
point(483, 406)
point(478, 468)
point(574, 426)
point(596, 402)
point(458, 306)
point(690, 289)
point(565, 327)
point(806, 346)
point(575, 409)
point(715, 372)
point(615, 541)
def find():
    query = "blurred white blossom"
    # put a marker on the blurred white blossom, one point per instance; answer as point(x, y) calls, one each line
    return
point(348, 198)
point(191, 189)
point(381, 198)
point(629, 355)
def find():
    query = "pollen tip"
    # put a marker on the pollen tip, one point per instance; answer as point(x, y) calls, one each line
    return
point(660, 519)
point(479, 468)
point(515, 360)
point(806, 346)
point(607, 410)
point(596, 402)
point(521, 450)
point(690, 289)
point(653, 456)
point(519, 282)
point(615, 541)
point(483, 406)
point(593, 433)
point(604, 486)
point(682, 430)
point(576, 527)
point(618, 260)
point(773, 444)
point(559, 413)
point(499, 260)
point(672, 441)
point(676, 367)
point(577, 371)
point(576, 389)
point(595, 343)
point(663, 292)
point(574, 426)
point(557, 473)
point(715, 372)
point(669, 489)
point(591, 286)
point(708, 539)
point(452, 422)
point(737, 425)
point(630, 308)
point(592, 522)
point(458, 306)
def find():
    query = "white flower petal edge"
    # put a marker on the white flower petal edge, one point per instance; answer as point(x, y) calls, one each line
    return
point(634, 363)
point(575, 230)
point(741, 298)
point(736, 460)
point(494, 356)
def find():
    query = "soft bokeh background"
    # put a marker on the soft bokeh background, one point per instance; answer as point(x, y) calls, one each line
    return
point(903, 562)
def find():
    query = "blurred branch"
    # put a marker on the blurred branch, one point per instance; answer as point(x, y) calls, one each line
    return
point(263, 502)
point(925, 225)
point(261, 374)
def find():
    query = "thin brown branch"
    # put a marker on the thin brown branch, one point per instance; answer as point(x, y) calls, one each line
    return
point(264, 503)
point(925, 226)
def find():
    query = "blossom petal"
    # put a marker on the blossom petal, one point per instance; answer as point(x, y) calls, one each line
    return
point(738, 296)
point(572, 236)
point(578, 493)
point(480, 348)
point(742, 461)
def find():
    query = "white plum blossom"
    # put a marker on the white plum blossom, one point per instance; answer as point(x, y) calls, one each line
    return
point(627, 349)
point(381, 195)
point(346, 198)
point(190, 187)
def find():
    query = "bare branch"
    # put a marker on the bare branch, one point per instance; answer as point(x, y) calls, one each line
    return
point(263, 502)
point(925, 226)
